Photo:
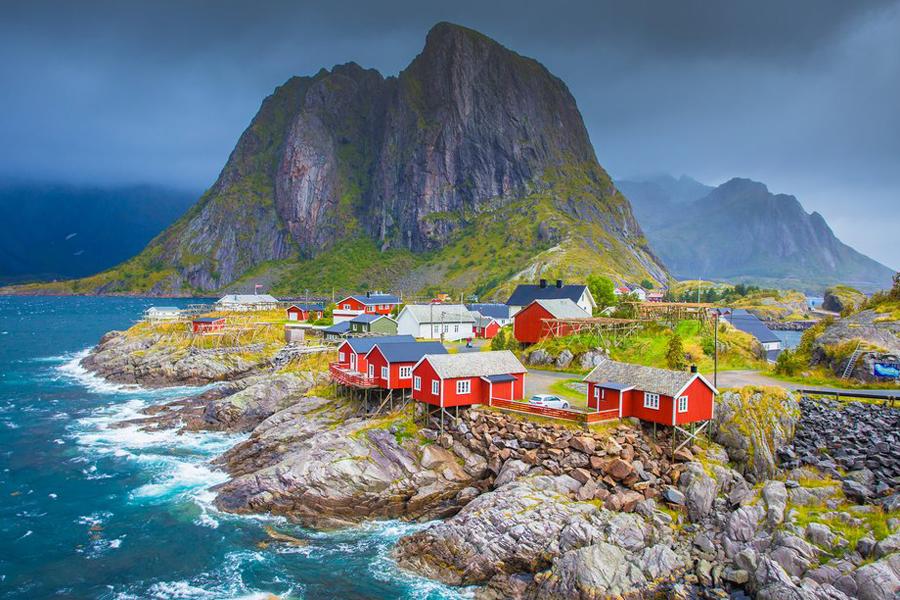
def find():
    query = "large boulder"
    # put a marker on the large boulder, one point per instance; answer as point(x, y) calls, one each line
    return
point(841, 297)
point(752, 424)
point(247, 408)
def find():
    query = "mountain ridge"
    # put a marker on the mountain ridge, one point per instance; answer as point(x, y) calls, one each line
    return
point(414, 163)
point(742, 232)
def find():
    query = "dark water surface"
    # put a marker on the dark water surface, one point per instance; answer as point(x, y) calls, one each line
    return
point(92, 511)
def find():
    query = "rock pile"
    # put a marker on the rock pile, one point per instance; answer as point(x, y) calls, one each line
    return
point(619, 468)
point(854, 442)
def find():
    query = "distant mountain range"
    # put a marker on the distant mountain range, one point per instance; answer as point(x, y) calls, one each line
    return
point(741, 232)
point(51, 231)
point(470, 169)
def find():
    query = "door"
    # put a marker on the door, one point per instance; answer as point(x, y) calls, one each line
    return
point(352, 361)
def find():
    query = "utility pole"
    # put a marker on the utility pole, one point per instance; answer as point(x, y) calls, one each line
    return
point(716, 349)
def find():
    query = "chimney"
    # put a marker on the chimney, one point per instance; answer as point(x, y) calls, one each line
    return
point(693, 368)
point(559, 283)
point(543, 283)
point(368, 294)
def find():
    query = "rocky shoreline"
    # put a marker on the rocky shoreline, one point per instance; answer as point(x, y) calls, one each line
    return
point(529, 509)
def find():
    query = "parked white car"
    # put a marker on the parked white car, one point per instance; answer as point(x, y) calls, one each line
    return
point(547, 401)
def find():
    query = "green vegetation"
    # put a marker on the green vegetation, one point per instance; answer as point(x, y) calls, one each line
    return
point(603, 290)
point(504, 340)
point(848, 521)
point(675, 353)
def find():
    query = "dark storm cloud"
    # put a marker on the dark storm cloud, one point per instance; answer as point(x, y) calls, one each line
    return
point(801, 95)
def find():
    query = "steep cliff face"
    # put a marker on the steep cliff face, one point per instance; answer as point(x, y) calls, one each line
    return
point(411, 163)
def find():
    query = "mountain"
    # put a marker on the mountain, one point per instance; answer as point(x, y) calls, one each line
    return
point(52, 231)
point(741, 232)
point(659, 196)
point(469, 169)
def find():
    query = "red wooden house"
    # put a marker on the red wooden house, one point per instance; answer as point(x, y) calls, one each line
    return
point(352, 353)
point(650, 394)
point(391, 365)
point(529, 325)
point(486, 327)
point(303, 312)
point(470, 378)
point(372, 303)
point(207, 324)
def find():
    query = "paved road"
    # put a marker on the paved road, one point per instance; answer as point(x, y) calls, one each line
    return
point(741, 378)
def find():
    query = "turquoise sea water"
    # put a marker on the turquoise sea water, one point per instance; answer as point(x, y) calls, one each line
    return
point(90, 510)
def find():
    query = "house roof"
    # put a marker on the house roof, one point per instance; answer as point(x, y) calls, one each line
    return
point(648, 379)
point(364, 344)
point(409, 351)
point(496, 311)
point(307, 306)
point(499, 378)
point(247, 299)
point(342, 327)
point(525, 294)
point(750, 323)
point(562, 309)
point(440, 313)
point(163, 308)
point(475, 364)
point(373, 299)
point(484, 321)
point(208, 319)
point(368, 318)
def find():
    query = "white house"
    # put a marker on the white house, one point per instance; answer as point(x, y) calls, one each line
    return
point(436, 321)
point(525, 294)
point(162, 313)
point(640, 294)
point(244, 302)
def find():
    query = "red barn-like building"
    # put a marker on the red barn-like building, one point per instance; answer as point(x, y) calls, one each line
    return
point(207, 324)
point(370, 303)
point(650, 394)
point(302, 312)
point(391, 365)
point(352, 352)
point(486, 327)
point(470, 378)
point(529, 326)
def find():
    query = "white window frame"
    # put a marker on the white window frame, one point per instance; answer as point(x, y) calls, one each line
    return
point(417, 383)
point(342, 357)
point(346, 307)
point(384, 372)
point(464, 386)
point(682, 408)
point(436, 387)
point(371, 371)
point(405, 372)
point(597, 392)
point(651, 401)
point(456, 329)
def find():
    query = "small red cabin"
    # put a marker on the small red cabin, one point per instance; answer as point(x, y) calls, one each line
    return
point(370, 303)
point(650, 394)
point(352, 352)
point(391, 365)
point(529, 326)
point(207, 324)
point(486, 328)
point(303, 312)
point(470, 378)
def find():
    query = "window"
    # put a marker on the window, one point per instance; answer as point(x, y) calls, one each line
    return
point(346, 307)
point(464, 386)
point(343, 357)
point(371, 370)
point(596, 393)
point(651, 400)
point(446, 328)
point(405, 372)
point(682, 404)
point(384, 372)
point(456, 329)
point(436, 387)
point(417, 382)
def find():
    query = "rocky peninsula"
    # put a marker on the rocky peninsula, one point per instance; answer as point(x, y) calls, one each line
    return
point(779, 503)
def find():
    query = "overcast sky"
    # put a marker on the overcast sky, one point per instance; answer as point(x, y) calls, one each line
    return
point(802, 95)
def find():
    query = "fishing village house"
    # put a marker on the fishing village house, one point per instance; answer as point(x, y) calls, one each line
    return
point(247, 302)
point(497, 312)
point(655, 296)
point(391, 365)
point(369, 303)
point(352, 351)
point(336, 331)
point(525, 294)
point(530, 324)
point(436, 321)
point(305, 311)
point(453, 380)
point(486, 327)
point(368, 323)
point(661, 396)
point(162, 313)
point(749, 323)
point(207, 324)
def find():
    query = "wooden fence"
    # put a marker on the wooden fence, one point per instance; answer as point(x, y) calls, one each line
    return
point(562, 414)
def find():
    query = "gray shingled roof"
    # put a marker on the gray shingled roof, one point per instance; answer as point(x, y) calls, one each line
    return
point(247, 299)
point(475, 364)
point(483, 321)
point(440, 313)
point(647, 379)
point(563, 309)
point(497, 311)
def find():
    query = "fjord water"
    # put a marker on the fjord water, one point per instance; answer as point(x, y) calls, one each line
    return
point(91, 510)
